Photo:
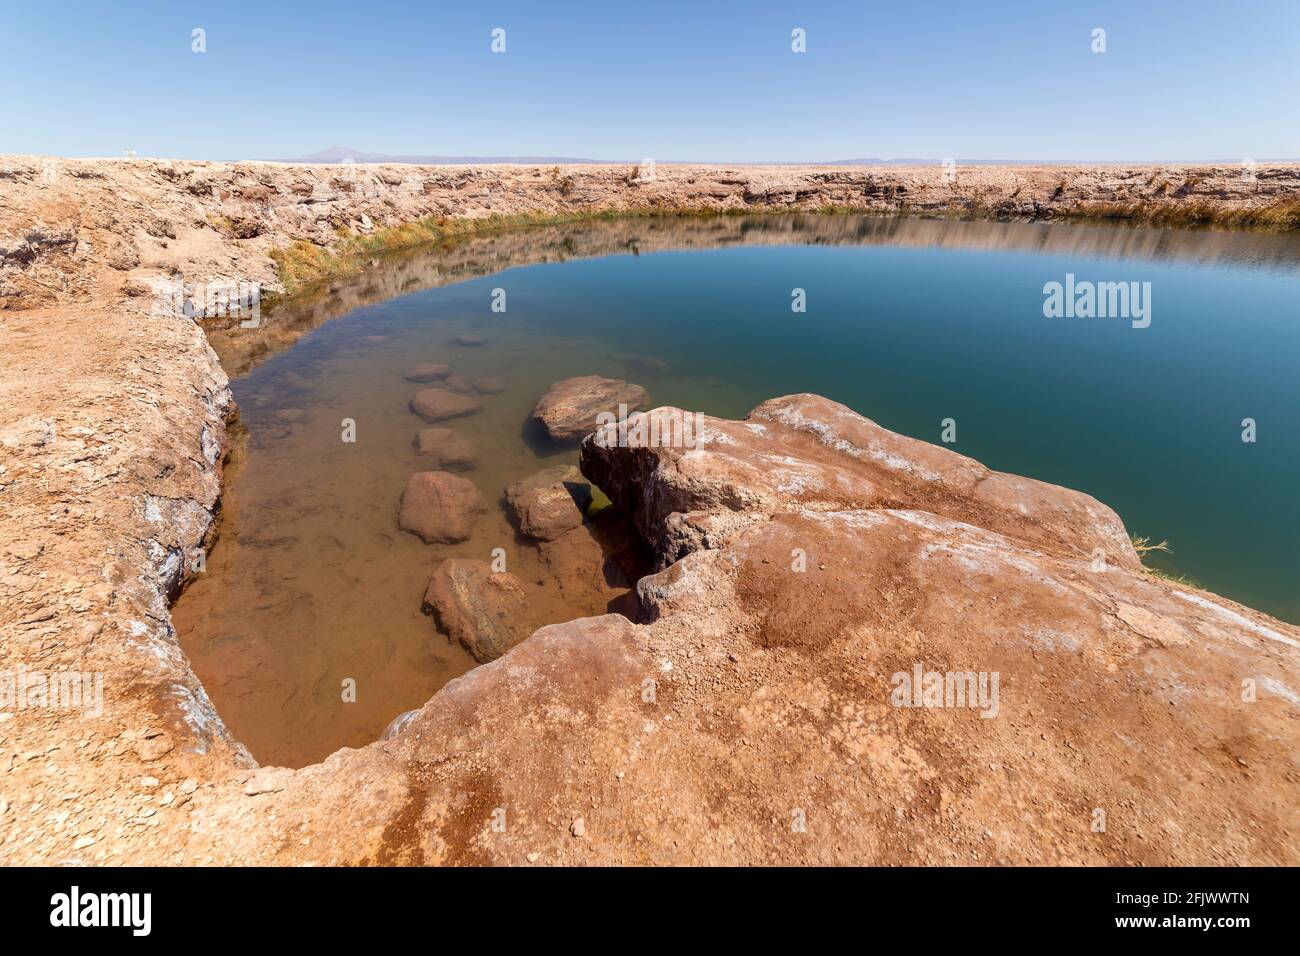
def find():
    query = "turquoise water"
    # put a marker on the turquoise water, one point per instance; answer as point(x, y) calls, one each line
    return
point(312, 584)
point(1149, 420)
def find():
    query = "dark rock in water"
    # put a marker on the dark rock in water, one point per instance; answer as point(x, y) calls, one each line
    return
point(549, 503)
point(439, 404)
point(446, 447)
point(485, 610)
point(439, 507)
point(267, 436)
point(570, 408)
point(398, 724)
point(648, 364)
point(490, 385)
point(470, 339)
point(428, 372)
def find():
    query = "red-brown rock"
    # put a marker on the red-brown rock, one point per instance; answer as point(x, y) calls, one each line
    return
point(445, 448)
point(570, 408)
point(439, 404)
point(805, 452)
point(550, 502)
point(428, 372)
point(486, 611)
point(439, 507)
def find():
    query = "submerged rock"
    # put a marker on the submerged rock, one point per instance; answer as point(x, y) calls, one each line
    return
point(648, 364)
point(427, 372)
point(485, 610)
point(470, 339)
point(439, 507)
point(550, 502)
point(439, 404)
point(490, 385)
point(570, 408)
point(446, 448)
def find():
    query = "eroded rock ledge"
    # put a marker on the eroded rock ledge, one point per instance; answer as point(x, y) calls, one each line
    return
point(754, 719)
point(808, 557)
point(74, 229)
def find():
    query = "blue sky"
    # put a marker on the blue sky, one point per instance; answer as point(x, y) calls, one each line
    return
point(673, 81)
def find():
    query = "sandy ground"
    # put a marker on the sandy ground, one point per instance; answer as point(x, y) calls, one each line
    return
point(111, 450)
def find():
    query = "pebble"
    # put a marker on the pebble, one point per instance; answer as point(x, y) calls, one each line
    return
point(578, 827)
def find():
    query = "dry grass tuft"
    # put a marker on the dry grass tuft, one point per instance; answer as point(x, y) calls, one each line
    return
point(1143, 546)
point(1282, 215)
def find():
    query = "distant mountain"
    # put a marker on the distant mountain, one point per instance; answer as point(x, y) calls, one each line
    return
point(343, 154)
point(914, 161)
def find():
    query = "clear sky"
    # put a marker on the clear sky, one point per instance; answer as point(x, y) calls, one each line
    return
point(699, 80)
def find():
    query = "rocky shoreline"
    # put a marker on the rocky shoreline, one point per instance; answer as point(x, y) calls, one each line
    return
point(747, 718)
point(77, 230)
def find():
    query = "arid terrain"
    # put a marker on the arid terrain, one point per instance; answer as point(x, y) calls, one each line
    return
point(804, 557)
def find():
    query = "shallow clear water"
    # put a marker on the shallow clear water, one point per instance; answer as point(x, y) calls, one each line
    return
point(908, 323)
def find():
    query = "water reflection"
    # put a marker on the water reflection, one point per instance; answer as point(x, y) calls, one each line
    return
point(403, 272)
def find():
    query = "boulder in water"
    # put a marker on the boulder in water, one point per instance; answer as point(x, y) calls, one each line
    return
point(549, 503)
point(570, 408)
point(485, 610)
point(446, 448)
point(439, 507)
point(439, 404)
